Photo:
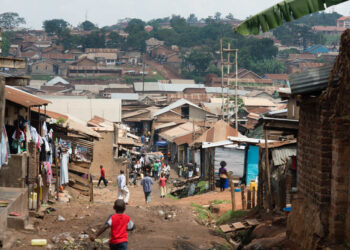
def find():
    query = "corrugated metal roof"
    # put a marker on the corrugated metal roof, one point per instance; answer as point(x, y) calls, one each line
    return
point(179, 131)
point(280, 155)
point(125, 96)
point(310, 81)
point(166, 87)
point(86, 109)
point(174, 105)
point(55, 80)
point(23, 98)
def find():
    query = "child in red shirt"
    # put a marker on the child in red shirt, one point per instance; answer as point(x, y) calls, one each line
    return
point(102, 177)
point(119, 223)
point(162, 185)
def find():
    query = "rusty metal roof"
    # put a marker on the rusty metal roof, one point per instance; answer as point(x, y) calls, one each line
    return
point(23, 98)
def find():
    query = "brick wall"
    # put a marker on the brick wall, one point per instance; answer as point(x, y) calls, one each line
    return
point(321, 211)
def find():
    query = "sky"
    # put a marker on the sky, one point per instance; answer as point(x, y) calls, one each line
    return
point(108, 12)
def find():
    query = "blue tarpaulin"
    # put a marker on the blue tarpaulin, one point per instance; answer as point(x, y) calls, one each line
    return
point(161, 143)
point(252, 164)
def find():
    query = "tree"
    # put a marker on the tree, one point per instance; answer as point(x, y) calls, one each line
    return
point(87, 26)
point(6, 42)
point(192, 19)
point(55, 26)
point(115, 40)
point(200, 60)
point(217, 16)
point(137, 40)
point(267, 66)
point(230, 16)
point(95, 40)
point(68, 40)
point(178, 23)
point(10, 20)
point(135, 26)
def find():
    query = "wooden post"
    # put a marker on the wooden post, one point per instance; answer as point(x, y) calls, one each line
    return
point(55, 160)
point(253, 199)
point(2, 102)
point(116, 136)
point(243, 197)
point(249, 199)
point(233, 201)
point(268, 173)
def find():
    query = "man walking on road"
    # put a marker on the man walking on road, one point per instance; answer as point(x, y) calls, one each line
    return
point(102, 177)
point(123, 191)
point(147, 183)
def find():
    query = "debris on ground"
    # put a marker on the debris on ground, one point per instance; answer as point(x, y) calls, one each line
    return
point(60, 218)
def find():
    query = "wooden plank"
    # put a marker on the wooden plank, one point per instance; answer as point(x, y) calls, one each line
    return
point(252, 222)
point(82, 164)
point(78, 169)
point(226, 228)
point(238, 225)
point(79, 187)
point(79, 179)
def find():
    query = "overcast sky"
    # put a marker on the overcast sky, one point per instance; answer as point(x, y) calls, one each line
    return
point(108, 12)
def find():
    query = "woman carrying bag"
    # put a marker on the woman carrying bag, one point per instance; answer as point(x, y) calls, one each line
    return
point(223, 175)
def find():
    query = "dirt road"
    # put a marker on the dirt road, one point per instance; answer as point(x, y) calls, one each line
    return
point(163, 71)
point(163, 224)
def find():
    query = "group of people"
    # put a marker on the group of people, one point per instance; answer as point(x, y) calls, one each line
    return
point(188, 170)
point(119, 222)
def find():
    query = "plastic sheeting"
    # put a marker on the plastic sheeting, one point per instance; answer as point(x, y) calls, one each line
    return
point(281, 155)
point(252, 164)
point(234, 159)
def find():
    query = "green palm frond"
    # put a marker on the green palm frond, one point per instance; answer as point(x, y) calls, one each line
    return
point(284, 11)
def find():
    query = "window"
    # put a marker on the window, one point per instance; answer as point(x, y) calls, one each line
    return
point(185, 112)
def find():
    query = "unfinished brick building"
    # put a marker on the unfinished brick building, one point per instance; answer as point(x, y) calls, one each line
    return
point(320, 211)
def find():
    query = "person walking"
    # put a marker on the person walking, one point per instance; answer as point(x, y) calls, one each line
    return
point(162, 185)
point(167, 171)
point(147, 183)
point(155, 170)
point(123, 191)
point(102, 177)
point(223, 175)
point(119, 223)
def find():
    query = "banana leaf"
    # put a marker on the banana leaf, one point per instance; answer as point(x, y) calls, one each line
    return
point(284, 11)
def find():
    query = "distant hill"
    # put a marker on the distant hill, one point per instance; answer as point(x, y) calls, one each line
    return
point(320, 18)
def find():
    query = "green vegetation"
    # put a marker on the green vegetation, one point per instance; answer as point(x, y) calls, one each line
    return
point(217, 202)
point(202, 186)
point(55, 26)
point(332, 39)
point(6, 42)
point(10, 20)
point(204, 214)
point(41, 77)
point(320, 18)
point(295, 34)
point(230, 216)
point(172, 197)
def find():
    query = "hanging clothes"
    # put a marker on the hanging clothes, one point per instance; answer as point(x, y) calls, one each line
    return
point(4, 148)
point(44, 130)
point(17, 137)
point(48, 172)
point(43, 152)
point(64, 168)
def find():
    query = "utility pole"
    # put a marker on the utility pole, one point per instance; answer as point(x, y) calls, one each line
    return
point(143, 74)
point(228, 63)
point(222, 79)
point(236, 91)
